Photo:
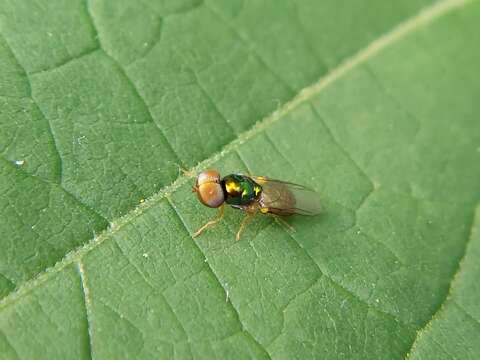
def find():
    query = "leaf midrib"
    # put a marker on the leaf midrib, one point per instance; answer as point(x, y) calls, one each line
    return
point(423, 18)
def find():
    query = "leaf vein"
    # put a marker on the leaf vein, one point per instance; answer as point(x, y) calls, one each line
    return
point(424, 17)
point(347, 154)
point(67, 61)
point(9, 345)
point(249, 44)
point(87, 304)
point(466, 313)
point(449, 294)
point(344, 289)
point(210, 99)
point(216, 278)
point(52, 185)
point(137, 94)
point(58, 158)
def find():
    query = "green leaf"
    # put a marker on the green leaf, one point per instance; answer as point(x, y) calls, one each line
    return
point(374, 104)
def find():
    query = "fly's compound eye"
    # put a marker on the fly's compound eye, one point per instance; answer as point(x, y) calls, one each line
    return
point(208, 176)
point(209, 190)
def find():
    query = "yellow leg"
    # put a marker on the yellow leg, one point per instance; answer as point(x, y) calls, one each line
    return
point(244, 223)
point(280, 221)
point(211, 222)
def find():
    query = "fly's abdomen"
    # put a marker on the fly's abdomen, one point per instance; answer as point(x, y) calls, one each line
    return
point(240, 189)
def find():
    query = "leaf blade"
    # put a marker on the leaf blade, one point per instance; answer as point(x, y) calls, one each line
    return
point(110, 266)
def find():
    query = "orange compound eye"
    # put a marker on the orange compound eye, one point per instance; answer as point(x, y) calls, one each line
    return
point(208, 176)
point(211, 194)
point(209, 189)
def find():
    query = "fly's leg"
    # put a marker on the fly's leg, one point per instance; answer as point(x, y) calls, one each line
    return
point(219, 217)
point(244, 223)
point(250, 210)
point(280, 221)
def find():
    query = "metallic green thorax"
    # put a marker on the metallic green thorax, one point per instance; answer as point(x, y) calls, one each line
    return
point(240, 189)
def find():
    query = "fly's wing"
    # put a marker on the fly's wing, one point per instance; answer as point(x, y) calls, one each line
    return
point(285, 198)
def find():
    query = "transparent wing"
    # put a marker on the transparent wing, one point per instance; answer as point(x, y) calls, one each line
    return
point(285, 198)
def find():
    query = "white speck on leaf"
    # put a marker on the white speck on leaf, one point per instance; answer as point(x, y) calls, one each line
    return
point(19, 162)
point(80, 139)
point(145, 255)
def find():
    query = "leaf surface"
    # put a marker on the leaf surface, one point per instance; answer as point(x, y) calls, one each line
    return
point(374, 105)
